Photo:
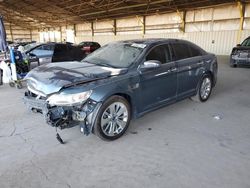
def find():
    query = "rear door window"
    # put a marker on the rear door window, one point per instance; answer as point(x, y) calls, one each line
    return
point(61, 53)
point(180, 51)
point(48, 47)
point(43, 50)
point(194, 51)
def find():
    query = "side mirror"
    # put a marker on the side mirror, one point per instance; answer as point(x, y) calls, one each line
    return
point(151, 64)
point(238, 45)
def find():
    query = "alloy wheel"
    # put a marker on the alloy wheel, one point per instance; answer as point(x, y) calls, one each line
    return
point(114, 119)
point(205, 88)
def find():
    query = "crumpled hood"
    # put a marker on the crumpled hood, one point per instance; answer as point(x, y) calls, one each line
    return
point(50, 78)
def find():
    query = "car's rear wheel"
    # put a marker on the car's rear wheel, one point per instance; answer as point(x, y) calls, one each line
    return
point(204, 89)
point(113, 118)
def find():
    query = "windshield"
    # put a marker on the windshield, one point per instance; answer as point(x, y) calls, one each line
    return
point(117, 55)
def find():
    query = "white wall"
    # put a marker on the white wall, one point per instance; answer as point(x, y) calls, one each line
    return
point(214, 29)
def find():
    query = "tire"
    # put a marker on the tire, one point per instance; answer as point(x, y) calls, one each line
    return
point(233, 65)
point(19, 86)
point(12, 84)
point(111, 112)
point(204, 89)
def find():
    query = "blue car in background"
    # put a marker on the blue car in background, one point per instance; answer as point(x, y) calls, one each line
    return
point(118, 82)
point(54, 52)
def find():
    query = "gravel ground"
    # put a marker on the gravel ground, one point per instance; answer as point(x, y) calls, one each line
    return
point(181, 145)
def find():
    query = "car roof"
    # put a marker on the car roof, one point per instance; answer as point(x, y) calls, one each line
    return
point(48, 43)
point(88, 42)
point(54, 43)
point(150, 41)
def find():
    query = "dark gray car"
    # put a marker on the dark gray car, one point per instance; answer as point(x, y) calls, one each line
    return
point(120, 81)
point(241, 54)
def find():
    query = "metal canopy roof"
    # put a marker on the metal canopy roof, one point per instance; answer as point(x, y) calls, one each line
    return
point(33, 14)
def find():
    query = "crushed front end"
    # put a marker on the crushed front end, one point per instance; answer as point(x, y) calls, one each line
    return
point(65, 115)
point(240, 57)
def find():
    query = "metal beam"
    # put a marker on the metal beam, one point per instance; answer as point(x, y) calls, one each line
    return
point(30, 35)
point(241, 7)
point(182, 16)
point(40, 14)
point(67, 12)
point(125, 7)
point(114, 27)
point(24, 14)
point(144, 25)
point(61, 34)
point(11, 33)
point(92, 29)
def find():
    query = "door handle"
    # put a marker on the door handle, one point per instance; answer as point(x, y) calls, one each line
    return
point(173, 69)
point(200, 63)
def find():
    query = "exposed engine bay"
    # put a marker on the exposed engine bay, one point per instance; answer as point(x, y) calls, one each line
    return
point(64, 116)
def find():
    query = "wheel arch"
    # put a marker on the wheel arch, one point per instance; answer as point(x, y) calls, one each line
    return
point(129, 100)
point(202, 75)
point(210, 73)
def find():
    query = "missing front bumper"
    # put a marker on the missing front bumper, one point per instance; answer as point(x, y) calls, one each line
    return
point(66, 116)
point(236, 60)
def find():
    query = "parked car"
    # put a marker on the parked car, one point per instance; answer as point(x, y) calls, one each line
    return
point(118, 82)
point(54, 52)
point(241, 54)
point(18, 43)
point(89, 47)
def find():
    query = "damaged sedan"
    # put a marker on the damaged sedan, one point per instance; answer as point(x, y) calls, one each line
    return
point(240, 55)
point(118, 82)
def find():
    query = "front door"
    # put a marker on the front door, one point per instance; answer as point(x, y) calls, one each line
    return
point(158, 86)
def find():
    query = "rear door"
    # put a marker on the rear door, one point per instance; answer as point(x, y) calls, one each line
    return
point(188, 60)
point(75, 53)
point(61, 53)
point(44, 53)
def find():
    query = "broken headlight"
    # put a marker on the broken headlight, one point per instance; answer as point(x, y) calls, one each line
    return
point(68, 99)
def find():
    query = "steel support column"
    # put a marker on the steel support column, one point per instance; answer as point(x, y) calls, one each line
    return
point(241, 7)
point(114, 27)
point(182, 16)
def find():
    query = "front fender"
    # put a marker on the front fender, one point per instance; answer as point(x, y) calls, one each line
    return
point(126, 87)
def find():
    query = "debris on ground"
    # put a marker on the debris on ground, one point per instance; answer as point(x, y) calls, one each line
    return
point(133, 132)
point(217, 117)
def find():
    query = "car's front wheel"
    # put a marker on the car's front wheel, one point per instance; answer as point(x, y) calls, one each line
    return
point(204, 89)
point(113, 118)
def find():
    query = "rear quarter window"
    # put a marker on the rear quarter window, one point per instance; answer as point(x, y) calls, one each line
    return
point(195, 51)
point(96, 45)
